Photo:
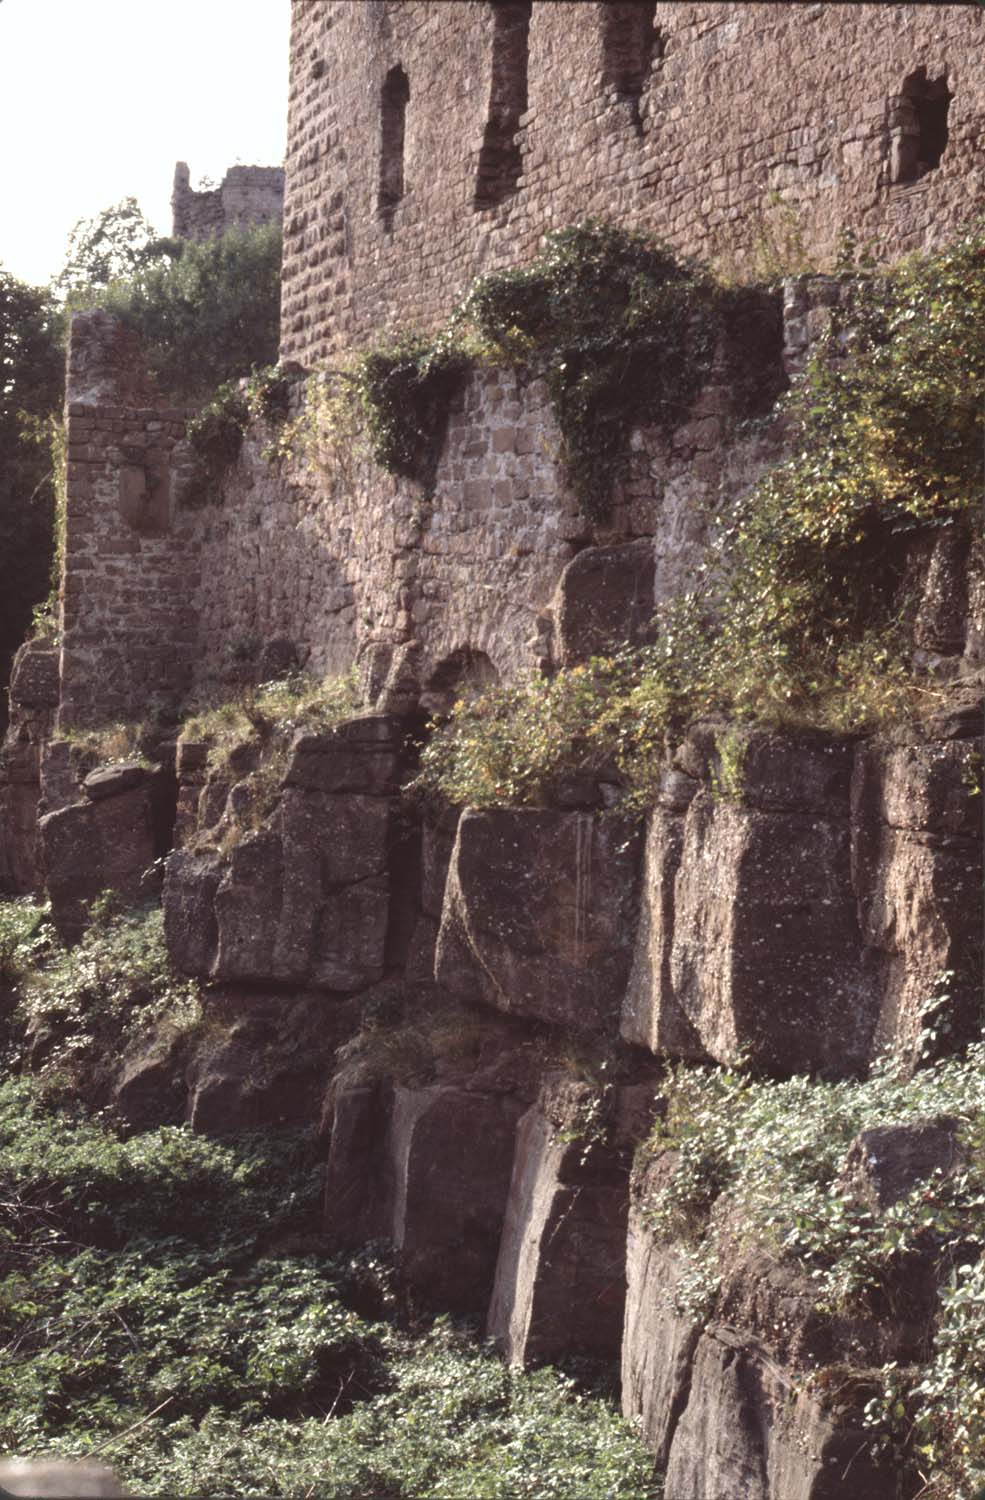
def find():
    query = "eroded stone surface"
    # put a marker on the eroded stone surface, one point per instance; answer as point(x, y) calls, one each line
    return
point(563, 1244)
point(604, 599)
point(917, 864)
point(539, 913)
point(93, 846)
point(429, 1170)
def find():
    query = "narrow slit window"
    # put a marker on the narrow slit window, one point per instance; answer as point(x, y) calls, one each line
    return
point(918, 126)
point(500, 157)
point(630, 44)
point(393, 121)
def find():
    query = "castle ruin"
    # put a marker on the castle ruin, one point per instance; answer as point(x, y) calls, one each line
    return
point(802, 926)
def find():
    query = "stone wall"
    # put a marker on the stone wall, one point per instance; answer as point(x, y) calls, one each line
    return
point(129, 566)
point(488, 571)
point(491, 569)
point(734, 131)
point(246, 195)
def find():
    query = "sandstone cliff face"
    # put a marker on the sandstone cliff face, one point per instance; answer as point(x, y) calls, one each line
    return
point(798, 914)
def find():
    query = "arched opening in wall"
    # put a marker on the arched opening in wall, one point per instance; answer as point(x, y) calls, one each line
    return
point(630, 46)
point(393, 122)
point(462, 673)
point(500, 156)
point(918, 126)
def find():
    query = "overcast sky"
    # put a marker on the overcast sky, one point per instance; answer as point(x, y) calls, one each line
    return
point(100, 98)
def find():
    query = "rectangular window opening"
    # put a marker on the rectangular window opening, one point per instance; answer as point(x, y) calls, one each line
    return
point(393, 119)
point(918, 126)
point(500, 156)
point(630, 45)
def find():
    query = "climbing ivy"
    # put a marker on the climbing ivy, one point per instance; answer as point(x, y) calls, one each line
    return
point(623, 331)
point(811, 571)
point(405, 389)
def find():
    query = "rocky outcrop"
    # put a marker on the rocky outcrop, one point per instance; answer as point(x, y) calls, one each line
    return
point(106, 842)
point(428, 1169)
point(762, 1392)
point(538, 915)
point(563, 1242)
point(806, 896)
point(917, 864)
point(885, 1162)
point(304, 898)
point(604, 598)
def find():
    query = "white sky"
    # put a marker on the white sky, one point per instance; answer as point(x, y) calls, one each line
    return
point(100, 98)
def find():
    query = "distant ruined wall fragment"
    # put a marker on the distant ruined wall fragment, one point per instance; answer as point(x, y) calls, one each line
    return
point(246, 195)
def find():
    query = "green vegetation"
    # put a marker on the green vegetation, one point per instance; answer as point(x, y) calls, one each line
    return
point(168, 1302)
point(31, 389)
point(624, 332)
point(736, 1138)
point(216, 432)
point(80, 1008)
point(812, 623)
point(206, 312)
point(404, 390)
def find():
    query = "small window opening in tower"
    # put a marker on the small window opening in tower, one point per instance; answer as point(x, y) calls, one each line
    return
point(918, 126)
point(500, 156)
point(630, 45)
point(393, 120)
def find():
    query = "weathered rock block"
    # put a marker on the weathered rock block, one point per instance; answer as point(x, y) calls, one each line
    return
point(34, 676)
point(304, 900)
point(766, 948)
point(886, 1162)
point(652, 1015)
point(766, 1399)
point(917, 864)
point(604, 598)
point(33, 701)
point(560, 1277)
point(359, 755)
point(751, 1432)
point(659, 1338)
point(539, 914)
point(102, 844)
point(429, 1170)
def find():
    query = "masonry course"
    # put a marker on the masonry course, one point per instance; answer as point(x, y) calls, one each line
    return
point(741, 123)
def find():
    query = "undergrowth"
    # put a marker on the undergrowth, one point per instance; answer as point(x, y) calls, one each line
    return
point(80, 1008)
point(735, 1138)
point(166, 1303)
point(249, 737)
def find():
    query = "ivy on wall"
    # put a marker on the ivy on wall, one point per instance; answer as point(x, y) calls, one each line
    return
point(623, 332)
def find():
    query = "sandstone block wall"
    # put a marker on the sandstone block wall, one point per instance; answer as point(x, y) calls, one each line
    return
point(129, 565)
point(721, 127)
point(490, 571)
point(246, 195)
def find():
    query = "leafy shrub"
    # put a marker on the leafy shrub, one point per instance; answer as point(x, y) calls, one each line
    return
point(31, 391)
point(206, 312)
point(216, 433)
point(146, 1311)
point(83, 1006)
point(736, 1137)
point(404, 389)
point(740, 1135)
point(508, 744)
